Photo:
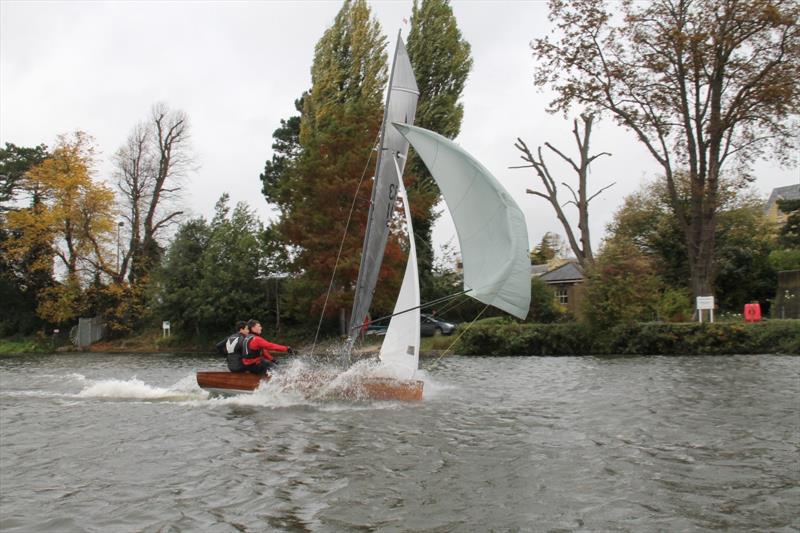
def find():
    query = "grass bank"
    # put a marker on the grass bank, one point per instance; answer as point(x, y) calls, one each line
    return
point(500, 336)
point(25, 345)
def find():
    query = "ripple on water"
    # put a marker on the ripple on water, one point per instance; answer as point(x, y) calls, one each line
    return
point(105, 443)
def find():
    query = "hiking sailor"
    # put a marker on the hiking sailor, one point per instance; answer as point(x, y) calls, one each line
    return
point(231, 347)
point(256, 356)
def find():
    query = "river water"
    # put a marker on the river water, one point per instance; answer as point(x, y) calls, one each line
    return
point(95, 442)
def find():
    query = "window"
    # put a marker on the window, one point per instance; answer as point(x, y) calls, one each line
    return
point(562, 295)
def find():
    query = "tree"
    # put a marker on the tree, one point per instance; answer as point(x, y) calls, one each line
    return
point(441, 60)
point(741, 264)
point(743, 241)
point(20, 283)
point(703, 84)
point(15, 161)
point(214, 274)
point(622, 287)
point(790, 232)
point(286, 149)
point(550, 247)
point(583, 251)
point(786, 256)
point(149, 169)
point(314, 180)
point(180, 274)
point(543, 307)
point(231, 285)
point(72, 217)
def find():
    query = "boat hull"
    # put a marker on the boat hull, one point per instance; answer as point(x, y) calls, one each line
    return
point(230, 382)
point(389, 389)
point(360, 389)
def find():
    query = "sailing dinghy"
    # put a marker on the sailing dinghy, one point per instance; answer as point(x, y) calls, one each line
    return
point(401, 106)
point(489, 224)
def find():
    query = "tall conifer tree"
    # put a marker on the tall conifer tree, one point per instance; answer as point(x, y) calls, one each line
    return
point(341, 116)
point(441, 60)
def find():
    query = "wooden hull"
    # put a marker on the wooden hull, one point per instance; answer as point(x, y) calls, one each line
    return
point(387, 389)
point(230, 382)
point(362, 389)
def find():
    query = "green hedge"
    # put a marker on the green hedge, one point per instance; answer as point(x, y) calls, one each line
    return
point(499, 336)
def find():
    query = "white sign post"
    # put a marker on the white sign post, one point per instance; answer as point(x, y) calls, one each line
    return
point(705, 302)
point(165, 331)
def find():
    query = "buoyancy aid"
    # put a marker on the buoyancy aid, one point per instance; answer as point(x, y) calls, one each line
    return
point(230, 345)
point(250, 357)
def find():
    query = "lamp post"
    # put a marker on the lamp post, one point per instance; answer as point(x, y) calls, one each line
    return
point(119, 227)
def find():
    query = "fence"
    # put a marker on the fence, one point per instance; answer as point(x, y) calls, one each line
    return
point(88, 331)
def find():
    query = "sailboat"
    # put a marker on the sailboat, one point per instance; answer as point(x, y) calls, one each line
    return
point(489, 224)
point(400, 106)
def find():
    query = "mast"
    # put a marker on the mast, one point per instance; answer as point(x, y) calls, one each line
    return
point(401, 105)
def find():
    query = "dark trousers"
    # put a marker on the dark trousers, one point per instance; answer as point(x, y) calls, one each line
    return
point(260, 368)
point(235, 363)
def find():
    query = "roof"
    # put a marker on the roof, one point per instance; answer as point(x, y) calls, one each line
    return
point(789, 192)
point(538, 270)
point(566, 273)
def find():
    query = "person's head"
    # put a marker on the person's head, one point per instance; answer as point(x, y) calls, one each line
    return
point(241, 327)
point(254, 326)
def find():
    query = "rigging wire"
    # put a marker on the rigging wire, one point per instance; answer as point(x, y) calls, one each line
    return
point(457, 338)
point(420, 306)
point(454, 304)
point(341, 246)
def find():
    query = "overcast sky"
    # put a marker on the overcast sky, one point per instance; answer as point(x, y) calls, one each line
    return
point(237, 67)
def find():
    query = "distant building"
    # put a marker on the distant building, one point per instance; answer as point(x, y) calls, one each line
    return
point(567, 282)
point(775, 215)
point(539, 270)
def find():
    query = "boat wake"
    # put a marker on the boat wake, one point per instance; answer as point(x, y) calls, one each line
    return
point(136, 389)
point(302, 381)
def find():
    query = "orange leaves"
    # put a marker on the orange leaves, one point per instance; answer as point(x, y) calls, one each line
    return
point(70, 213)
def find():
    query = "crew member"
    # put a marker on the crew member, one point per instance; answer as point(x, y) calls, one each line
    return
point(256, 356)
point(231, 347)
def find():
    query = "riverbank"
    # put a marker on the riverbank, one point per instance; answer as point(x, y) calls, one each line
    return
point(154, 342)
point(501, 336)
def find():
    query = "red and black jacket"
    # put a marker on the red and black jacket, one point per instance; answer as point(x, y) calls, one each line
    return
point(255, 347)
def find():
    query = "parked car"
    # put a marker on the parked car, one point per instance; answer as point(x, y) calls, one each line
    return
point(430, 326)
point(376, 329)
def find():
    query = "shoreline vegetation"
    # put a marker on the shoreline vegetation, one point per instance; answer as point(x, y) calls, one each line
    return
point(505, 337)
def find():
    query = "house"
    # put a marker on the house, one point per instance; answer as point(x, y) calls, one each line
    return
point(567, 282)
point(771, 211)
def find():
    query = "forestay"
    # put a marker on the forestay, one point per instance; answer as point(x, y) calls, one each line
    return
point(401, 106)
point(490, 225)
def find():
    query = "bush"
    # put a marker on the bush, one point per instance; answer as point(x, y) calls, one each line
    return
point(675, 305)
point(544, 308)
point(621, 288)
point(500, 336)
point(786, 259)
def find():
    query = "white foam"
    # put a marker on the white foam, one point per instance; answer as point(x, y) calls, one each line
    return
point(138, 390)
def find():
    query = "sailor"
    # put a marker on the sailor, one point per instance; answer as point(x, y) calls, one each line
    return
point(231, 347)
point(256, 356)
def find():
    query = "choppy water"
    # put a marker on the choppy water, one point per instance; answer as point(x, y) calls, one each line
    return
point(104, 443)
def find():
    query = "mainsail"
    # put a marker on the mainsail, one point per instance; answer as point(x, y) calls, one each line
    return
point(490, 225)
point(401, 106)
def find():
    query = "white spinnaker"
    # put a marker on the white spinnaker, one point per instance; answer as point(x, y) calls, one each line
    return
point(490, 225)
point(399, 353)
